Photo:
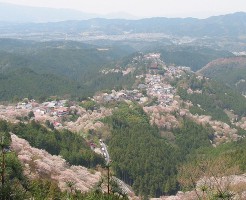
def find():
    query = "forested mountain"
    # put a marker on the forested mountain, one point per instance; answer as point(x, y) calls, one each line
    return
point(149, 143)
point(17, 185)
point(25, 82)
point(231, 71)
point(41, 69)
point(195, 57)
point(132, 94)
point(192, 56)
point(214, 99)
point(145, 160)
point(70, 59)
point(231, 25)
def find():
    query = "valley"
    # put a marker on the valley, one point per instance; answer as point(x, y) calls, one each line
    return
point(169, 99)
point(118, 109)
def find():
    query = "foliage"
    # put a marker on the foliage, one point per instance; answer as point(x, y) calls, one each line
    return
point(191, 56)
point(31, 114)
point(145, 160)
point(141, 158)
point(46, 69)
point(192, 136)
point(13, 180)
point(212, 164)
point(214, 99)
point(18, 187)
point(49, 124)
point(69, 145)
point(42, 189)
point(206, 102)
point(230, 71)
point(89, 105)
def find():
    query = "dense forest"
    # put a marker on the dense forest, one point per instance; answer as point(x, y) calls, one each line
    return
point(141, 156)
point(14, 183)
point(70, 146)
point(214, 99)
point(154, 166)
point(230, 71)
point(25, 82)
point(43, 69)
point(191, 56)
point(72, 69)
point(145, 160)
point(134, 142)
point(225, 160)
point(16, 186)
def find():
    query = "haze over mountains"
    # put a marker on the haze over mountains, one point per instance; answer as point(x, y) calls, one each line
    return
point(25, 14)
point(55, 21)
point(162, 98)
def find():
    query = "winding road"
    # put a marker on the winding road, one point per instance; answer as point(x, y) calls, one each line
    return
point(125, 188)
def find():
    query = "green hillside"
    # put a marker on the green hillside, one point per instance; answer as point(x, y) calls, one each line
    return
point(214, 99)
point(231, 71)
point(72, 147)
point(191, 56)
point(145, 160)
point(57, 68)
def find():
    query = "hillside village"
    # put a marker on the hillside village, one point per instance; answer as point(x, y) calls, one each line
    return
point(99, 103)
point(153, 92)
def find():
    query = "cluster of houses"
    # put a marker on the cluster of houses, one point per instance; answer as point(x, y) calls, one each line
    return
point(27, 104)
point(156, 62)
point(53, 108)
point(176, 71)
point(154, 85)
point(157, 87)
point(131, 95)
point(151, 56)
point(118, 70)
point(52, 111)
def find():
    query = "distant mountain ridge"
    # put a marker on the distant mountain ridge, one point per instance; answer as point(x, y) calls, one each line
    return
point(26, 14)
point(231, 25)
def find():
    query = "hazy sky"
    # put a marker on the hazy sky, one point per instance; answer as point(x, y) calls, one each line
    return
point(144, 8)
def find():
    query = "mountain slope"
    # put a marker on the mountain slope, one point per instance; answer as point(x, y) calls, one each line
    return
point(25, 82)
point(67, 58)
point(191, 56)
point(231, 71)
point(57, 68)
point(52, 167)
point(231, 25)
